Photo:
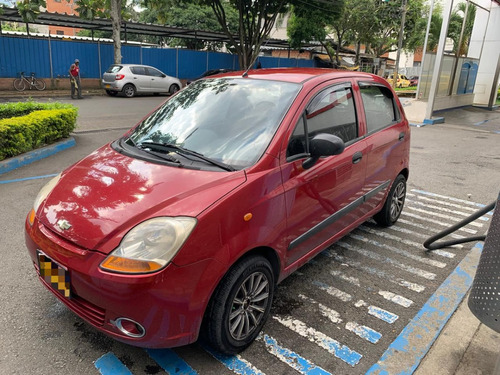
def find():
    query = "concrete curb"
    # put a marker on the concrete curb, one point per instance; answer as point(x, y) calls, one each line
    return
point(35, 155)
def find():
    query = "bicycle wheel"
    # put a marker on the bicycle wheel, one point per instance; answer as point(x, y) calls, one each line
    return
point(39, 84)
point(19, 84)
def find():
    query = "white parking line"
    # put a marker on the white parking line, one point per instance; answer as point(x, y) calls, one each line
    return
point(447, 217)
point(440, 223)
point(372, 255)
point(397, 299)
point(374, 271)
point(340, 351)
point(430, 262)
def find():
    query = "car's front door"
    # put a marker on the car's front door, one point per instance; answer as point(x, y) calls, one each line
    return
point(324, 200)
point(157, 81)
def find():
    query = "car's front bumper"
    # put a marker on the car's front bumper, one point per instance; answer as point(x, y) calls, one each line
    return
point(169, 304)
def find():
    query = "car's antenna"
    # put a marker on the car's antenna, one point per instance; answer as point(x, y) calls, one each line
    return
point(245, 74)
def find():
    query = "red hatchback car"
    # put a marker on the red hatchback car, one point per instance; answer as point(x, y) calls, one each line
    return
point(185, 225)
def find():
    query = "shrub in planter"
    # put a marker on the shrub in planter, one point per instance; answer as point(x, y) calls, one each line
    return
point(26, 126)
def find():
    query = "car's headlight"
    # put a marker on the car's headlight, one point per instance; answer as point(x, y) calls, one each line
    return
point(150, 245)
point(42, 194)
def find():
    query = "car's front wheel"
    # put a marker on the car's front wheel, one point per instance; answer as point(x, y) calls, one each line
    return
point(240, 305)
point(129, 90)
point(394, 203)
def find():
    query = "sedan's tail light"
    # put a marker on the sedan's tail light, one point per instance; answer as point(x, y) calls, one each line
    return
point(119, 76)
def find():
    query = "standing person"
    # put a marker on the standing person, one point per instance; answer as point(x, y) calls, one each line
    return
point(74, 77)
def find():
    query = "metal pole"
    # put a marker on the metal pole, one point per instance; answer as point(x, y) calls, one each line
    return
point(425, 48)
point(457, 53)
point(439, 59)
point(50, 60)
point(99, 55)
point(400, 45)
point(491, 103)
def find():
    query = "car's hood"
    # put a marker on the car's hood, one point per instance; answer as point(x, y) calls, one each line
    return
point(107, 193)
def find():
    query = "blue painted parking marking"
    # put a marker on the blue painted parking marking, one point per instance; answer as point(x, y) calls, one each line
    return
point(171, 362)
point(35, 155)
point(235, 363)
point(291, 358)
point(28, 178)
point(405, 353)
point(110, 364)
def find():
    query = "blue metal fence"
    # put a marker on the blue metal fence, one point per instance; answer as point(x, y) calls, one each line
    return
point(51, 58)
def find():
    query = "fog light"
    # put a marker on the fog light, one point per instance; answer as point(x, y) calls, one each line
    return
point(129, 327)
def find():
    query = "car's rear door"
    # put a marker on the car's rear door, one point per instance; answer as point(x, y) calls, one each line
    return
point(323, 201)
point(140, 78)
point(387, 136)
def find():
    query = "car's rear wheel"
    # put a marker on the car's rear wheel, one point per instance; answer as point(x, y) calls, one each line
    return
point(129, 90)
point(173, 89)
point(394, 203)
point(240, 306)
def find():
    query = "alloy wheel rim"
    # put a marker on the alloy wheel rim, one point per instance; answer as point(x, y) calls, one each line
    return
point(248, 306)
point(398, 199)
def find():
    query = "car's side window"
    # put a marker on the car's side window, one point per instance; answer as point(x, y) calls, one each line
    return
point(153, 72)
point(380, 107)
point(139, 70)
point(298, 145)
point(332, 111)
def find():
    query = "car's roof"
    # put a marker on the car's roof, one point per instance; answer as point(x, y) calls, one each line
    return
point(295, 75)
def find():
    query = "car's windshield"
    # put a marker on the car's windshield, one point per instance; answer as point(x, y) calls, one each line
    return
point(230, 120)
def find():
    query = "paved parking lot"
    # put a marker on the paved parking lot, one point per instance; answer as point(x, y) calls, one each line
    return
point(370, 303)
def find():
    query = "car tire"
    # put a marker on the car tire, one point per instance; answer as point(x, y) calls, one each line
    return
point(394, 203)
point(129, 90)
point(173, 89)
point(111, 93)
point(239, 306)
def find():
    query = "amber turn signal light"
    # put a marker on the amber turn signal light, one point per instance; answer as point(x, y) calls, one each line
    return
point(125, 265)
point(31, 217)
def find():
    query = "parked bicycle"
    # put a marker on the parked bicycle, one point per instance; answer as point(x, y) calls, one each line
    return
point(20, 84)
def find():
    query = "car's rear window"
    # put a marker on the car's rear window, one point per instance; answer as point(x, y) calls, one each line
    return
point(114, 69)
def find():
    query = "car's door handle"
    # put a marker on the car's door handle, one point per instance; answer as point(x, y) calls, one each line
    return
point(401, 136)
point(135, 77)
point(356, 158)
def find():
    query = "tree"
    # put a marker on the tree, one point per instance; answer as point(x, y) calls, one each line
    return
point(313, 22)
point(192, 16)
point(460, 47)
point(387, 18)
point(255, 19)
point(30, 9)
point(115, 10)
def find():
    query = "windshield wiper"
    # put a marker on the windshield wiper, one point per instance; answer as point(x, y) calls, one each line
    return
point(168, 147)
point(150, 149)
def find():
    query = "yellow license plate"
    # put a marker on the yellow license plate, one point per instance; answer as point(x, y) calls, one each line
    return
point(108, 86)
point(54, 274)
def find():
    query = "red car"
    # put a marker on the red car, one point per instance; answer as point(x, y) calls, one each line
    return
point(186, 224)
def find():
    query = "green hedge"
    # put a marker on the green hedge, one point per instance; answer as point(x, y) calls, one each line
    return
point(27, 126)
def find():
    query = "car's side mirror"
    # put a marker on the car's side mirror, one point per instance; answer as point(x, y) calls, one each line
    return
point(323, 145)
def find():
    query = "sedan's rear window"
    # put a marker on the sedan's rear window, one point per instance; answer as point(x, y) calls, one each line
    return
point(114, 69)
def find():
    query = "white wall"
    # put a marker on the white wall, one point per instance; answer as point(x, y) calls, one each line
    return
point(490, 56)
